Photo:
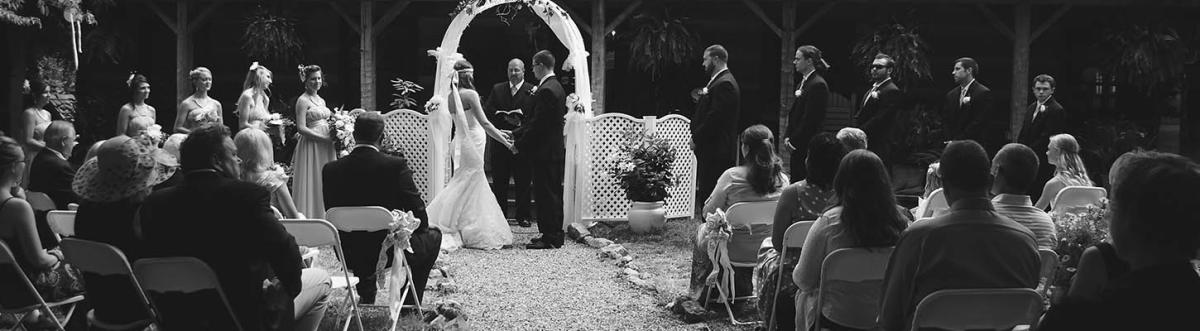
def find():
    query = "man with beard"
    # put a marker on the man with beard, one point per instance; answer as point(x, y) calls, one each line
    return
point(503, 109)
point(714, 127)
point(880, 107)
point(969, 113)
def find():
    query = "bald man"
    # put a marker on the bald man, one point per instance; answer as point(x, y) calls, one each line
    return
point(505, 108)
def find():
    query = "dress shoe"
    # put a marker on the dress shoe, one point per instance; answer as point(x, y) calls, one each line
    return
point(541, 245)
point(524, 223)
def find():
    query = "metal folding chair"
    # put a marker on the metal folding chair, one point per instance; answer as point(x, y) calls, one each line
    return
point(854, 265)
point(793, 237)
point(978, 309)
point(62, 222)
point(321, 233)
point(187, 275)
point(105, 260)
point(20, 298)
point(1077, 196)
point(371, 219)
point(742, 246)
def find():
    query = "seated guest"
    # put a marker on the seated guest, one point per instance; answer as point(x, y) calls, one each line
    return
point(1099, 264)
point(50, 172)
point(801, 201)
point(1068, 168)
point(852, 138)
point(368, 177)
point(989, 250)
point(229, 225)
point(1015, 169)
point(53, 279)
point(759, 178)
point(866, 215)
point(171, 146)
point(91, 152)
point(258, 167)
point(112, 187)
point(1155, 227)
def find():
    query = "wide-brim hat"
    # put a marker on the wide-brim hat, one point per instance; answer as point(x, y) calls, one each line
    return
point(123, 166)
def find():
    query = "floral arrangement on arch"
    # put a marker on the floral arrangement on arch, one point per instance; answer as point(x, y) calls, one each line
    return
point(575, 103)
point(469, 7)
point(341, 129)
point(642, 166)
point(1077, 229)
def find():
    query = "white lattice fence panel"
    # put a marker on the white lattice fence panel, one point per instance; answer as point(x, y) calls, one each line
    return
point(677, 130)
point(410, 131)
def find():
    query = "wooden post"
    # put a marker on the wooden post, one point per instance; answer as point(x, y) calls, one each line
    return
point(599, 41)
point(366, 21)
point(183, 56)
point(786, 85)
point(1020, 79)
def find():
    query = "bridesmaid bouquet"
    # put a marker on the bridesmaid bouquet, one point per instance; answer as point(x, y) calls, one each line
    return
point(341, 130)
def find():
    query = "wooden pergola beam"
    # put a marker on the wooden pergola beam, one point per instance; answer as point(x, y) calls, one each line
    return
point(203, 17)
point(995, 21)
point(812, 20)
point(390, 15)
point(758, 11)
point(612, 26)
point(170, 23)
point(1058, 14)
point(345, 17)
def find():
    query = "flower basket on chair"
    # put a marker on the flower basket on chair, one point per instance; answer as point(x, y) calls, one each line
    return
point(642, 165)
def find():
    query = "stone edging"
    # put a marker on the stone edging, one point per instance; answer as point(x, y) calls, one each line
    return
point(612, 251)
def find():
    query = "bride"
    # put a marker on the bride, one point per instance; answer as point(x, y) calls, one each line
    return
point(466, 210)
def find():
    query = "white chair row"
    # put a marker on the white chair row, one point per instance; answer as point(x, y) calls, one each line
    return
point(1068, 197)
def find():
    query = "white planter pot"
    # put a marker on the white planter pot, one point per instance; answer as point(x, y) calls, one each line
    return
point(647, 216)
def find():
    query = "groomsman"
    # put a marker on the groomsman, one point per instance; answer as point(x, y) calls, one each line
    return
point(714, 127)
point(808, 110)
point(504, 110)
point(1045, 117)
point(969, 111)
point(880, 108)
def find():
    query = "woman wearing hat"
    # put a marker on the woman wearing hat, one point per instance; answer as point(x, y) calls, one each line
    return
point(111, 188)
point(53, 279)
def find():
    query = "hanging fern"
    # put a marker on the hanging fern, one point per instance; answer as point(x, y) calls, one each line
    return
point(660, 41)
point(904, 44)
point(270, 36)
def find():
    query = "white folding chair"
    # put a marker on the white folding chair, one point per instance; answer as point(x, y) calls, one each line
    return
point(370, 219)
point(321, 233)
point(72, 206)
point(105, 260)
point(62, 222)
point(742, 246)
point(1049, 266)
point(853, 265)
point(1077, 196)
point(793, 237)
point(936, 205)
point(181, 274)
point(978, 309)
point(39, 201)
point(22, 299)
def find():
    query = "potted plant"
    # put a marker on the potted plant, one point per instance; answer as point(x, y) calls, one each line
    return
point(642, 166)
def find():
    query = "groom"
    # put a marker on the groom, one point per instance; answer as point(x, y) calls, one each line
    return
point(540, 139)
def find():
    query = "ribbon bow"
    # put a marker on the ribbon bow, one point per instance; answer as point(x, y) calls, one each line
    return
point(717, 233)
point(402, 227)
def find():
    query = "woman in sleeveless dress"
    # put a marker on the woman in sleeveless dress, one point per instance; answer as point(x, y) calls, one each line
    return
point(258, 167)
point(466, 210)
point(252, 104)
point(34, 121)
point(139, 88)
point(314, 149)
point(1068, 168)
point(198, 109)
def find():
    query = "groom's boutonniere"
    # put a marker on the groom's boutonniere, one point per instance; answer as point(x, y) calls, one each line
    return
point(966, 99)
point(799, 92)
point(874, 94)
point(703, 91)
point(1041, 108)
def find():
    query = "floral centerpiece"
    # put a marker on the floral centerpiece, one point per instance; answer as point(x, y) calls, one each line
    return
point(341, 130)
point(642, 166)
point(1078, 228)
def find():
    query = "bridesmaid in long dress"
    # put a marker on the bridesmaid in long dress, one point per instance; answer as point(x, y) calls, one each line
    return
point(34, 121)
point(315, 148)
point(198, 109)
point(139, 89)
point(252, 104)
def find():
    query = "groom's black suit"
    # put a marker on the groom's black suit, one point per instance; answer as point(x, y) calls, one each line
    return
point(540, 138)
point(367, 177)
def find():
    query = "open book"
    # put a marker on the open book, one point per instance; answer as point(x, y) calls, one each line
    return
point(514, 112)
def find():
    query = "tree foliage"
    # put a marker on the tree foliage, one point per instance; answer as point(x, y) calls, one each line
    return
point(903, 42)
point(1146, 55)
point(660, 42)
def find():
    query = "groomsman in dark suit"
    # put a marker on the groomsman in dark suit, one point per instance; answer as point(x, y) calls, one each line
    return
point(715, 124)
point(880, 107)
point(504, 110)
point(540, 139)
point(970, 112)
point(808, 110)
point(1045, 117)
point(367, 177)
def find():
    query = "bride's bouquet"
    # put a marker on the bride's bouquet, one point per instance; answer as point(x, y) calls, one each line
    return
point(341, 130)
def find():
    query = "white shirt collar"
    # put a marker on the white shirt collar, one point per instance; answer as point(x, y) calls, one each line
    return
point(356, 146)
point(1013, 199)
point(968, 86)
point(714, 76)
point(877, 85)
point(515, 87)
point(545, 78)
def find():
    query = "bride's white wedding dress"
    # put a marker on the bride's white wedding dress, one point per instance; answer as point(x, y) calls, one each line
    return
point(466, 210)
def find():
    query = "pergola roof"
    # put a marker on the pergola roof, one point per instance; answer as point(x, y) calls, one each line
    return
point(1142, 3)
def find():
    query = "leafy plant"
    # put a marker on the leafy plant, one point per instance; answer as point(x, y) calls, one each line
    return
point(642, 165)
point(1077, 230)
point(1146, 55)
point(271, 36)
point(403, 98)
point(901, 41)
point(30, 12)
point(660, 42)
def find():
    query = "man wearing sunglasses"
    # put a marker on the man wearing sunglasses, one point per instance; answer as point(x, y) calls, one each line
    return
point(877, 113)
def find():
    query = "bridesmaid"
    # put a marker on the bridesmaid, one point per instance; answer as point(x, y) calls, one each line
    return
point(198, 109)
point(252, 104)
point(34, 121)
point(315, 148)
point(139, 88)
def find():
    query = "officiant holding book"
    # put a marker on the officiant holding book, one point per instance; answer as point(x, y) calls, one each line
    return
point(504, 109)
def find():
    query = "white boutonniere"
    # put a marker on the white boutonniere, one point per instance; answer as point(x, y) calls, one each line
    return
point(799, 92)
point(966, 99)
point(1041, 108)
point(874, 94)
point(704, 91)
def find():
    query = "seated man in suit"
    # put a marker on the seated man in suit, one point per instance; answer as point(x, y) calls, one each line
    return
point(50, 172)
point(367, 177)
point(229, 225)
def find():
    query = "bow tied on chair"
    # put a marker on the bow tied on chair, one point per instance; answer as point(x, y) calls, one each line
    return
point(402, 227)
point(717, 232)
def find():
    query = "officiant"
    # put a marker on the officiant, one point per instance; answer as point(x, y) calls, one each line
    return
point(504, 108)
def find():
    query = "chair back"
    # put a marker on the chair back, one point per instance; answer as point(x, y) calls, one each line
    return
point(181, 274)
point(795, 234)
point(1077, 196)
point(361, 218)
point(748, 213)
point(978, 309)
point(103, 260)
point(39, 201)
point(850, 267)
point(743, 244)
point(62, 222)
point(937, 204)
point(19, 293)
point(312, 233)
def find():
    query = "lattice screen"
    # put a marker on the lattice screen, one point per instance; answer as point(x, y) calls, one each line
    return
point(410, 131)
point(603, 197)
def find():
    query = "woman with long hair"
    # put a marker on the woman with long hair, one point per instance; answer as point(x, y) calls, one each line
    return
point(866, 215)
point(253, 104)
point(33, 123)
point(1068, 168)
point(139, 91)
point(258, 167)
point(198, 109)
point(315, 147)
point(467, 210)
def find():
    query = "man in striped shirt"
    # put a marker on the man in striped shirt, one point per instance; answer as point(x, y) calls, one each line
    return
point(1015, 169)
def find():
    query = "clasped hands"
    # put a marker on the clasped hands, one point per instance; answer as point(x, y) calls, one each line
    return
point(509, 140)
